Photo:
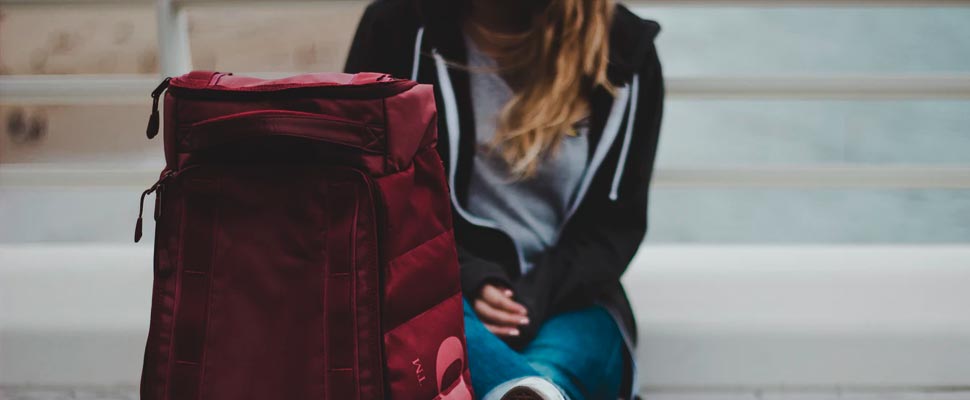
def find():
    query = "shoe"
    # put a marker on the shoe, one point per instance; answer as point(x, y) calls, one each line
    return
point(522, 393)
point(528, 388)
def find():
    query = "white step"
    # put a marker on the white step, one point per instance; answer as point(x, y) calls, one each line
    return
point(713, 319)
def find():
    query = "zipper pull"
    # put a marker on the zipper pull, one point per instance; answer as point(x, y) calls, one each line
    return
point(141, 206)
point(153, 123)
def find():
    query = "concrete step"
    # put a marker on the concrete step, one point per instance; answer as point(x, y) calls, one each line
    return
point(721, 319)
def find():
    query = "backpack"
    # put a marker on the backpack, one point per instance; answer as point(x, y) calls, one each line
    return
point(303, 243)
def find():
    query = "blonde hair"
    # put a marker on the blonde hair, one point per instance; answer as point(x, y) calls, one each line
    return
point(552, 68)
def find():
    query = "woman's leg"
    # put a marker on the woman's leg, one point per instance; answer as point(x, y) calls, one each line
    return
point(491, 361)
point(581, 352)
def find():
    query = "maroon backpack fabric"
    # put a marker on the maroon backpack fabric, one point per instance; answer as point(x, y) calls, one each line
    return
point(304, 245)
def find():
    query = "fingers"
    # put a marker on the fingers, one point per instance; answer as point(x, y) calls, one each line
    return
point(502, 299)
point(489, 314)
point(498, 312)
point(509, 331)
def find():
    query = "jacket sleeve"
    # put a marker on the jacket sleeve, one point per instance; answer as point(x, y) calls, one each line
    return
point(602, 238)
point(365, 51)
point(476, 272)
point(384, 39)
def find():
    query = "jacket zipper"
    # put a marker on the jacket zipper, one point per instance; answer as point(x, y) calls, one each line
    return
point(452, 122)
point(610, 132)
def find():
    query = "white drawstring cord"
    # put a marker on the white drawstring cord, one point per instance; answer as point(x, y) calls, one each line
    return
point(628, 135)
point(450, 106)
point(611, 132)
point(417, 54)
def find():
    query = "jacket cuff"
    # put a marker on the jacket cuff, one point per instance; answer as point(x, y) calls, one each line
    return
point(526, 295)
point(477, 273)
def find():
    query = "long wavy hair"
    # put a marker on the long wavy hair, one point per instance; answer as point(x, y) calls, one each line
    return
point(552, 68)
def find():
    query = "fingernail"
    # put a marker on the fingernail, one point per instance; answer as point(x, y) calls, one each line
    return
point(524, 321)
point(508, 293)
point(514, 332)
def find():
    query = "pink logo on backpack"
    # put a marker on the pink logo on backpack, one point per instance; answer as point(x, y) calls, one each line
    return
point(451, 350)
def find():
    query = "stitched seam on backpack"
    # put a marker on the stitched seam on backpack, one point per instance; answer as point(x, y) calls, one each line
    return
point(433, 308)
point(418, 246)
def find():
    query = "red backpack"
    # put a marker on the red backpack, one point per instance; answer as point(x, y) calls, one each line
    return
point(303, 243)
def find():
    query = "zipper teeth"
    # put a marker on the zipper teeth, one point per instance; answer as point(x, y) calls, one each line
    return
point(324, 117)
point(452, 122)
point(365, 91)
point(451, 119)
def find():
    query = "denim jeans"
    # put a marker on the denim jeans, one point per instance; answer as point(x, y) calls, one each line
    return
point(580, 351)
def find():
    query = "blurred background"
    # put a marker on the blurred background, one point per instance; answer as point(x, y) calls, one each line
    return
point(809, 221)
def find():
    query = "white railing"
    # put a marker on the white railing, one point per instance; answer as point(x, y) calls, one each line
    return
point(127, 89)
point(175, 58)
point(789, 176)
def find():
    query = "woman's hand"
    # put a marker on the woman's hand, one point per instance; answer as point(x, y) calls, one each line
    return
point(498, 312)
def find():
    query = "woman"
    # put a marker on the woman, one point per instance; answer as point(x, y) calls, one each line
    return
point(550, 112)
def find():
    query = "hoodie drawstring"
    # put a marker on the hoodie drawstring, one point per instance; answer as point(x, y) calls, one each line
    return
point(450, 106)
point(417, 54)
point(634, 94)
point(627, 137)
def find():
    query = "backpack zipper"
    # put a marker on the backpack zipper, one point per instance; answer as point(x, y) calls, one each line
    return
point(141, 205)
point(376, 90)
point(380, 89)
point(157, 188)
point(153, 120)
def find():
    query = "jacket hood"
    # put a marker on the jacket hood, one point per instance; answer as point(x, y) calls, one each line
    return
point(631, 37)
point(631, 41)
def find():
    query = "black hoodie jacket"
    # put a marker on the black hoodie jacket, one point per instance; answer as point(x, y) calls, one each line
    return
point(417, 39)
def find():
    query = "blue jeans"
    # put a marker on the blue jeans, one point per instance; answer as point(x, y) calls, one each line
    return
point(580, 351)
